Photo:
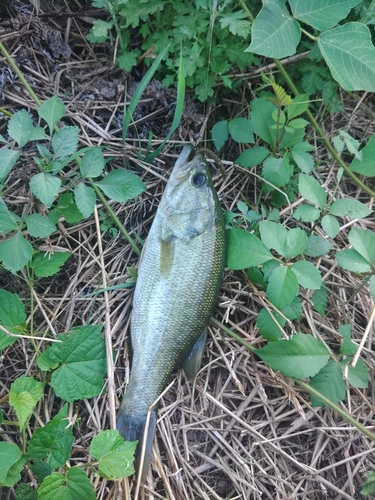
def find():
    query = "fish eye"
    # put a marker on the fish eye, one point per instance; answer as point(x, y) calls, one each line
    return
point(199, 179)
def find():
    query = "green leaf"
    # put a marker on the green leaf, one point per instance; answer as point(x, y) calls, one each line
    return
point(351, 260)
point(74, 486)
point(358, 375)
point(85, 199)
point(8, 159)
point(349, 54)
point(25, 492)
point(347, 347)
point(9, 455)
point(311, 190)
point(65, 142)
point(46, 265)
point(92, 163)
point(365, 166)
point(261, 119)
point(121, 185)
point(307, 275)
point(245, 250)
point(282, 286)
point(237, 23)
point(15, 252)
point(330, 225)
point(41, 470)
point(298, 106)
point(277, 171)
point(372, 285)
point(20, 127)
point(252, 157)
point(12, 317)
point(350, 207)
point(38, 134)
point(363, 240)
point(100, 30)
point(39, 226)
point(82, 363)
point(321, 14)
point(24, 394)
point(220, 133)
point(46, 187)
point(268, 322)
point(369, 486)
point(306, 213)
point(52, 110)
point(274, 236)
point(293, 310)
point(301, 356)
point(241, 130)
point(115, 456)
point(329, 382)
point(317, 246)
point(303, 160)
point(274, 33)
point(296, 242)
point(319, 300)
point(8, 220)
point(66, 207)
point(44, 361)
point(53, 442)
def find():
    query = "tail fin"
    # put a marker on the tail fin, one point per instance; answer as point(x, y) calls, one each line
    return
point(132, 428)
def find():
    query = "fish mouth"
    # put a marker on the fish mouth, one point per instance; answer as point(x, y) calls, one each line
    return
point(188, 158)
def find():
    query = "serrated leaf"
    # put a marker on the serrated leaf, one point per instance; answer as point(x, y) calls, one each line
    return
point(321, 14)
point(296, 242)
point(115, 456)
point(311, 190)
point(121, 185)
point(358, 375)
point(85, 199)
point(241, 130)
point(317, 246)
point(82, 363)
point(8, 159)
point(329, 382)
point(44, 361)
point(347, 347)
point(319, 300)
point(306, 213)
point(282, 286)
point(53, 442)
point(274, 33)
point(92, 163)
point(12, 316)
point(65, 142)
point(24, 394)
point(274, 236)
point(349, 54)
point(220, 134)
point(301, 356)
point(46, 187)
point(330, 225)
point(363, 240)
point(365, 166)
point(236, 22)
point(349, 207)
point(351, 260)
point(252, 157)
point(75, 485)
point(46, 265)
point(41, 470)
point(307, 275)
point(293, 310)
point(20, 127)
point(39, 226)
point(245, 250)
point(25, 492)
point(268, 325)
point(15, 252)
point(8, 220)
point(9, 455)
point(52, 110)
point(38, 134)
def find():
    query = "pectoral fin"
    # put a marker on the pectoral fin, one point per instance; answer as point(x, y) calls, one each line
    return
point(192, 364)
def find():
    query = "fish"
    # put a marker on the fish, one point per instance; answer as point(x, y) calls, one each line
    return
point(179, 278)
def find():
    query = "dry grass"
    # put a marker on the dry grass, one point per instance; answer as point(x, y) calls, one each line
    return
point(240, 431)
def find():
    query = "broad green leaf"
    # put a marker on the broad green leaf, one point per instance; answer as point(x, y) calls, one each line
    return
point(12, 317)
point(82, 363)
point(350, 54)
point(358, 375)
point(347, 347)
point(92, 163)
point(25, 492)
point(115, 456)
point(363, 240)
point(252, 157)
point(38, 134)
point(8, 159)
point(15, 252)
point(307, 275)
point(74, 486)
point(274, 33)
point(293, 310)
point(46, 187)
point(303, 160)
point(85, 199)
point(220, 134)
point(8, 220)
point(365, 166)
point(24, 394)
point(268, 267)
point(46, 265)
point(329, 382)
point(44, 361)
point(241, 130)
point(311, 190)
point(53, 442)
point(67, 207)
point(39, 226)
point(296, 242)
point(282, 286)
point(20, 127)
point(274, 236)
point(65, 142)
point(255, 275)
point(298, 106)
point(317, 246)
point(350, 207)
point(372, 285)
point(319, 300)
point(268, 325)
point(52, 110)
point(351, 260)
point(369, 485)
point(277, 171)
point(301, 356)
point(41, 469)
point(236, 22)
point(245, 250)
point(261, 119)
point(306, 213)
point(321, 14)
point(121, 185)
point(330, 225)
point(9, 455)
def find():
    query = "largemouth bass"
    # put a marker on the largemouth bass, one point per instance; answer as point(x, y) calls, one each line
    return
point(179, 277)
